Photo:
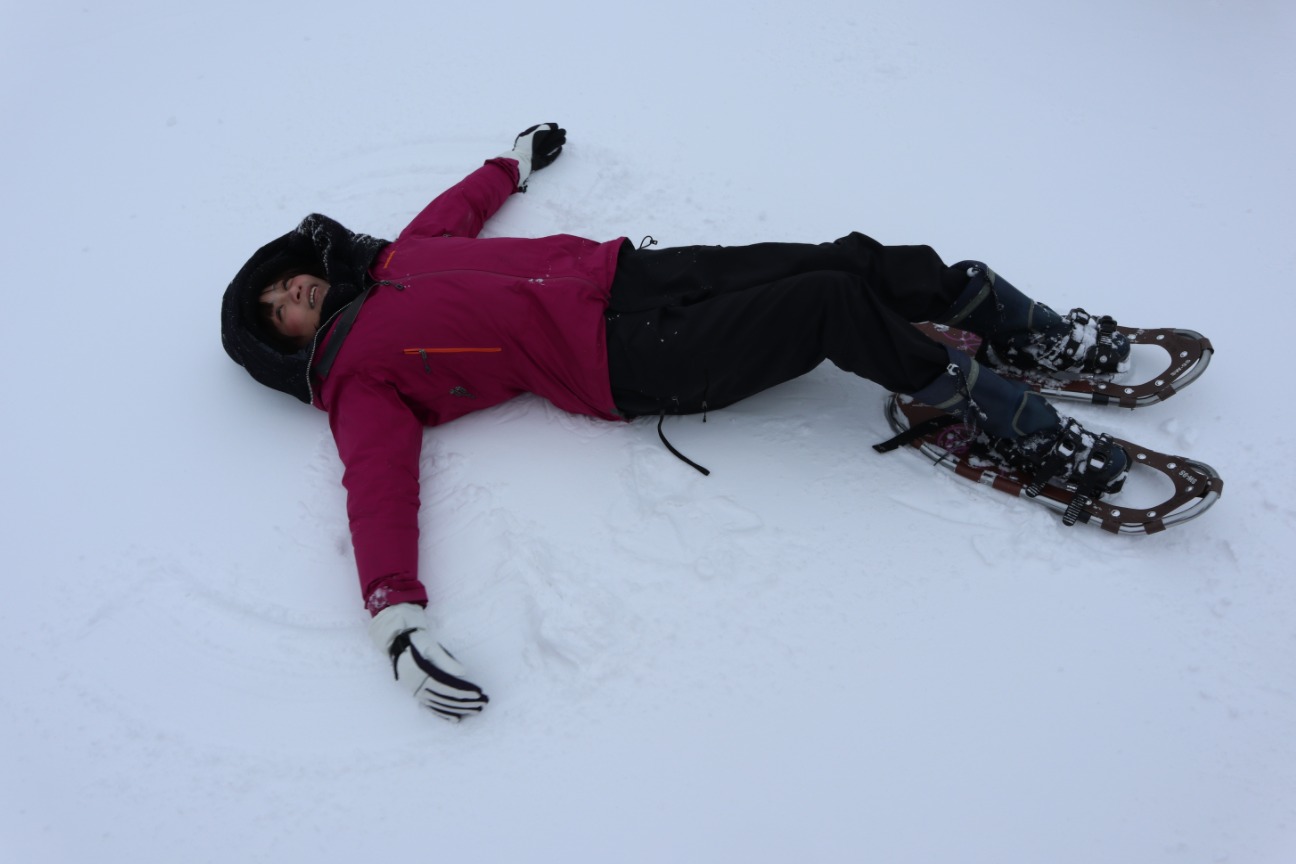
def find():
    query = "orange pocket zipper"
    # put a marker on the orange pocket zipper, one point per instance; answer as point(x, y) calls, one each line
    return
point(424, 352)
point(452, 350)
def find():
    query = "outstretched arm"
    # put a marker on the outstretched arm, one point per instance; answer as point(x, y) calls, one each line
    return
point(379, 440)
point(462, 210)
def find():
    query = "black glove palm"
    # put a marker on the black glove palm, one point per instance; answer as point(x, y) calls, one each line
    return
point(542, 142)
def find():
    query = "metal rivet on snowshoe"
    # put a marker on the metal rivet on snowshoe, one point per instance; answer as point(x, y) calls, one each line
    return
point(1172, 466)
point(1160, 382)
point(1129, 389)
point(1115, 514)
point(1151, 514)
point(1141, 457)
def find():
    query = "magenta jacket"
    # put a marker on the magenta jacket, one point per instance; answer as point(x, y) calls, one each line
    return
point(456, 324)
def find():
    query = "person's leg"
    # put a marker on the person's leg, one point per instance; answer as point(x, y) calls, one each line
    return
point(725, 346)
point(910, 280)
point(693, 328)
point(717, 350)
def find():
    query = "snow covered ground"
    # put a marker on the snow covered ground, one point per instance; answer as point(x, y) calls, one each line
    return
point(816, 654)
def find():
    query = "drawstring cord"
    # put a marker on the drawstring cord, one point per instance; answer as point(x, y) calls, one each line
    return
point(647, 241)
point(677, 454)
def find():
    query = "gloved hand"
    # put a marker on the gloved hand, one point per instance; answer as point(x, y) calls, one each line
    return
point(422, 666)
point(535, 148)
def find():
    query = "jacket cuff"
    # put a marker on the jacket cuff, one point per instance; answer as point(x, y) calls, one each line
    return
point(521, 167)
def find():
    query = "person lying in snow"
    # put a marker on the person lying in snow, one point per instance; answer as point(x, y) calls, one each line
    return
point(389, 337)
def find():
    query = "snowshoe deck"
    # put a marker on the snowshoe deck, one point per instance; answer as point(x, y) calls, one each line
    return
point(1196, 485)
point(1188, 353)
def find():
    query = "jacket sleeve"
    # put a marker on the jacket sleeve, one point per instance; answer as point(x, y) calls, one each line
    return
point(463, 209)
point(379, 440)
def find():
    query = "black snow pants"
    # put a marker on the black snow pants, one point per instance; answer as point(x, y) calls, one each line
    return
point(701, 327)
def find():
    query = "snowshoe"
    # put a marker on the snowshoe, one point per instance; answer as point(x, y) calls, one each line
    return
point(1147, 494)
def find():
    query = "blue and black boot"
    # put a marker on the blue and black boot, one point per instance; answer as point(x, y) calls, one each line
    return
point(1024, 334)
point(1022, 429)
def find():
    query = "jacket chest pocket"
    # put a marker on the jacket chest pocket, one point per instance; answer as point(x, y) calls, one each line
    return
point(428, 357)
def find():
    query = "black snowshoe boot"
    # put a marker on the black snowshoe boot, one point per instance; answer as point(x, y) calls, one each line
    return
point(1027, 335)
point(1018, 427)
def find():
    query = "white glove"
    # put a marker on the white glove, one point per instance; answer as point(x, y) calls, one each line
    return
point(535, 148)
point(422, 666)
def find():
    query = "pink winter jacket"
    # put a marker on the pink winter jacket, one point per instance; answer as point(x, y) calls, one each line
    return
point(456, 324)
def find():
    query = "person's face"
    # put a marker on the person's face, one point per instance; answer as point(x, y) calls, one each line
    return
point(295, 306)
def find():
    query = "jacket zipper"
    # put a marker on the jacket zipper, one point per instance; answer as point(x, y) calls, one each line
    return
point(310, 359)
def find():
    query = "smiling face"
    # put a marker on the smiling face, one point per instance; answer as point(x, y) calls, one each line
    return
point(292, 306)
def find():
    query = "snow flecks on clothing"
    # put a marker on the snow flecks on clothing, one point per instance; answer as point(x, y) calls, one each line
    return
point(377, 601)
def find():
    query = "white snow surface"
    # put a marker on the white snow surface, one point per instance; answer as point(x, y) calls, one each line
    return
point(816, 654)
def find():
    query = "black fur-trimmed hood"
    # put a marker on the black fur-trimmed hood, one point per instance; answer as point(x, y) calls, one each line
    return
point(342, 257)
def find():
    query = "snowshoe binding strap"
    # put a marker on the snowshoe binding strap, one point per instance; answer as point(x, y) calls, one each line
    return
point(1089, 473)
point(1088, 491)
point(919, 430)
point(1092, 346)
